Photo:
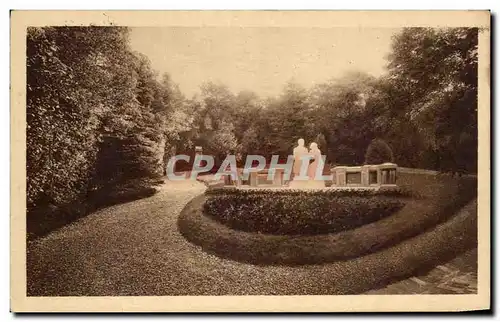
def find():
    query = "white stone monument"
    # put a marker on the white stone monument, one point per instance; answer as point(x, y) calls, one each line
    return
point(305, 166)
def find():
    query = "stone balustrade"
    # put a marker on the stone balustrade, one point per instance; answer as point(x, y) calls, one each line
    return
point(376, 176)
point(379, 176)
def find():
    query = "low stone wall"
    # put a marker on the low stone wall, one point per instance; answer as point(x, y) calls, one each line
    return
point(364, 182)
point(418, 171)
point(373, 176)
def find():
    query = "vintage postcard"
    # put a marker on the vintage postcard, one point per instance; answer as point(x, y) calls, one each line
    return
point(250, 161)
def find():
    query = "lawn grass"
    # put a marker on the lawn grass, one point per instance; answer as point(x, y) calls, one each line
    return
point(43, 220)
point(439, 198)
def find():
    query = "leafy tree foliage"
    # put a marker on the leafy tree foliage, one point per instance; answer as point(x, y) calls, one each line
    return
point(71, 86)
point(433, 75)
point(96, 114)
point(321, 141)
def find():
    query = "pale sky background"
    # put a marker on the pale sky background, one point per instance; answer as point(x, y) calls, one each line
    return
point(261, 59)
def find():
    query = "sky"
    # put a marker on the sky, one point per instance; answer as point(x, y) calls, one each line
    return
point(261, 59)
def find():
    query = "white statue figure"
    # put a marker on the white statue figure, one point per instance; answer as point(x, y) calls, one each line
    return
point(298, 152)
point(315, 154)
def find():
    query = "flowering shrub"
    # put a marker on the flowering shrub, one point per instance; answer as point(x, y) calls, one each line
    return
point(288, 212)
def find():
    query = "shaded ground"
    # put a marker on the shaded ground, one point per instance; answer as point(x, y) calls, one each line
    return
point(136, 249)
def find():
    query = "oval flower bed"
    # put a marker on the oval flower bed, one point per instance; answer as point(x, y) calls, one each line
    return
point(289, 212)
point(433, 200)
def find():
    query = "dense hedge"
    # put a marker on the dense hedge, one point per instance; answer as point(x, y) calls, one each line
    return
point(264, 249)
point(285, 212)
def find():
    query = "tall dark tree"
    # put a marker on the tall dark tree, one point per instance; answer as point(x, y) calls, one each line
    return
point(75, 76)
point(433, 73)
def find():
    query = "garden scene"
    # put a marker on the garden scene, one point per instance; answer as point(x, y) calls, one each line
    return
point(397, 215)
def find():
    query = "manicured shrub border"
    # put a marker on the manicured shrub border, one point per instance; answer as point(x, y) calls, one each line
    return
point(414, 218)
point(283, 212)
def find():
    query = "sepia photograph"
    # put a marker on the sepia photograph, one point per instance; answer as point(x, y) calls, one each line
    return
point(162, 156)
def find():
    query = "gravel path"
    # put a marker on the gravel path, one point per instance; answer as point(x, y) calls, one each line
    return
point(135, 249)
